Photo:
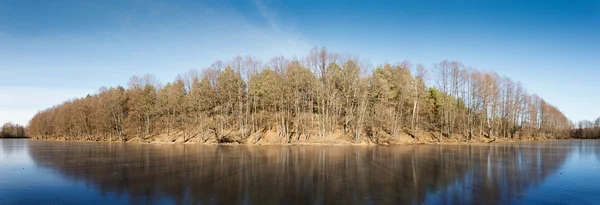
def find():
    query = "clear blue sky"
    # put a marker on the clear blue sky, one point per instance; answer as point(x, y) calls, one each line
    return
point(51, 51)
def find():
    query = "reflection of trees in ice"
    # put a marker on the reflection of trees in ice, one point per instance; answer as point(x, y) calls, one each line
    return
point(12, 147)
point(189, 174)
point(498, 174)
point(585, 148)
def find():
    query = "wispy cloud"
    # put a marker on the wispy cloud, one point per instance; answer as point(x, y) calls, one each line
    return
point(163, 38)
point(269, 16)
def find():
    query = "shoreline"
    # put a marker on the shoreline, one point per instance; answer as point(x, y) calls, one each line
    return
point(472, 142)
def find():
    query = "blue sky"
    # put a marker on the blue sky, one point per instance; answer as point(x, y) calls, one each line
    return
point(51, 51)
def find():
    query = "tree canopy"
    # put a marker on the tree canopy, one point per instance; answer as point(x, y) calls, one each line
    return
point(321, 97)
point(11, 130)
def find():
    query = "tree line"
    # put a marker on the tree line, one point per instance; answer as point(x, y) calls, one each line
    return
point(324, 96)
point(11, 130)
point(587, 129)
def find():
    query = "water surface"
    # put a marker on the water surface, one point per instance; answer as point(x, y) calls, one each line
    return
point(50, 172)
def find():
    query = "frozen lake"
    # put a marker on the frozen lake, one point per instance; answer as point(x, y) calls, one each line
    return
point(52, 172)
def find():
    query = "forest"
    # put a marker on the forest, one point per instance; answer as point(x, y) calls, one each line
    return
point(587, 129)
point(11, 130)
point(324, 97)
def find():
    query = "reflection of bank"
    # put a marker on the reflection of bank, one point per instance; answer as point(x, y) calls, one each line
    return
point(190, 174)
point(498, 174)
point(13, 147)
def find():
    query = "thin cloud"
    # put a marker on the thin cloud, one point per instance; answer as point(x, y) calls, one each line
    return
point(150, 37)
point(264, 11)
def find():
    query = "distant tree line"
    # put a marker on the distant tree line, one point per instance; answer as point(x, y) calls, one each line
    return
point(322, 97)
point(587, 129)
point(11, 130)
